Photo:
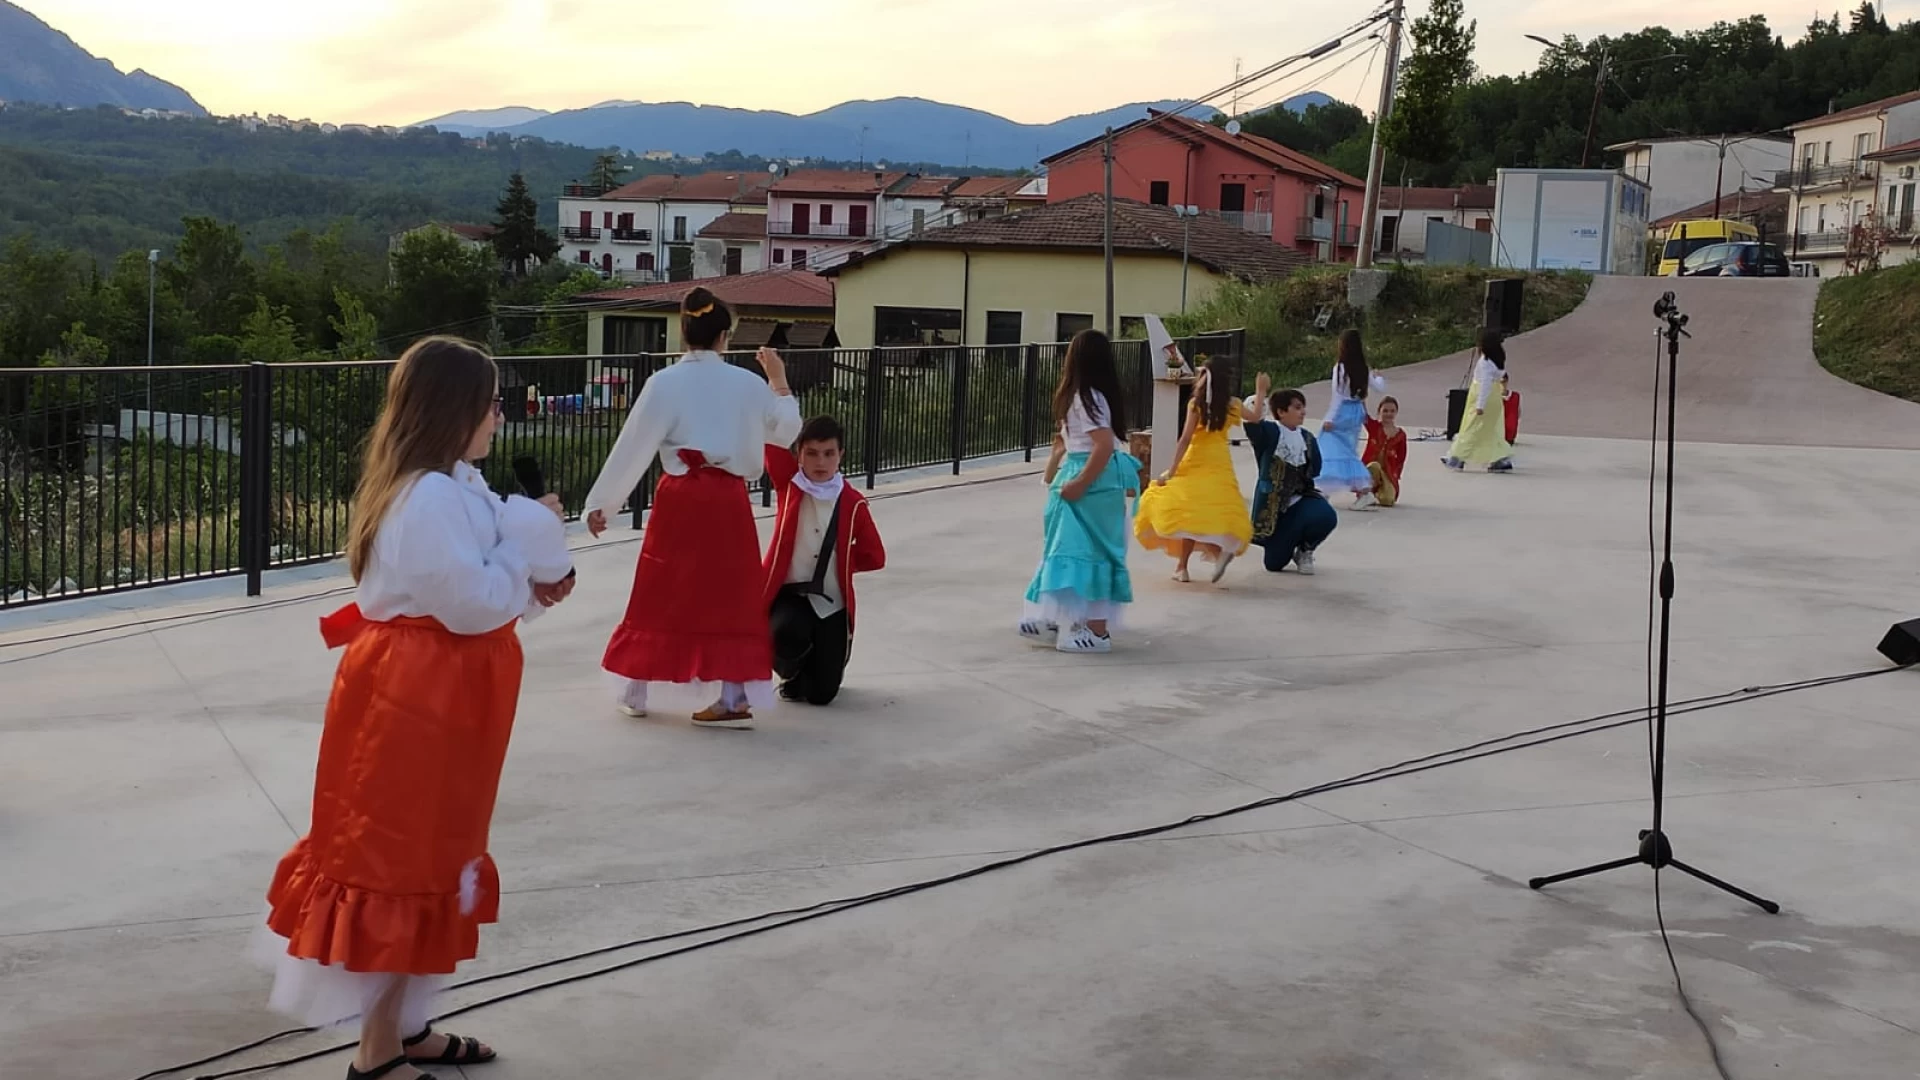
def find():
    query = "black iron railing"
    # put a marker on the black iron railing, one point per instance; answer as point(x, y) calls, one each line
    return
point(125, 477)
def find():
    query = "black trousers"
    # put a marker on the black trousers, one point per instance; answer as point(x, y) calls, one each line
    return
point(809, 652)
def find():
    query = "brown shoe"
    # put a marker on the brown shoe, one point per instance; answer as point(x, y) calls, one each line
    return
point(719, 716)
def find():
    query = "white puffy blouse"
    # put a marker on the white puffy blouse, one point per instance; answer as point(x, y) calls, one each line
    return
point(452, 550)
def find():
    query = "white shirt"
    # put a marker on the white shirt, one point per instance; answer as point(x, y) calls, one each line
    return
point(1341, 392)
point(1488, 375)
point(702, 403)
point(450, 549)
point(815, 513)
point(1080, 425)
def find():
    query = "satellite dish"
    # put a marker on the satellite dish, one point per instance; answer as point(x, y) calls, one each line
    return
point(773, 167)
point(1233, 127)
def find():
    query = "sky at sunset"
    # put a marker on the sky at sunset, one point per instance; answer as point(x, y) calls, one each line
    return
point(401, 61)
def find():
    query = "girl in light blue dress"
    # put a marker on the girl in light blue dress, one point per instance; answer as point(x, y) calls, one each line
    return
point(1341, 468)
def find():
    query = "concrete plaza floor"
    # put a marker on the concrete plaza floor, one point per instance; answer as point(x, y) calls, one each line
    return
point(150, 776)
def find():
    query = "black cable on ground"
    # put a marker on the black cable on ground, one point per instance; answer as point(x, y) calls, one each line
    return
point(744, 928)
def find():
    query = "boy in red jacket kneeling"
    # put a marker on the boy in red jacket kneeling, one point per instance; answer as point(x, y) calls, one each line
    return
point(824, 535)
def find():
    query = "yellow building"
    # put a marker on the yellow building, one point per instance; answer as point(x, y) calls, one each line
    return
point(1039, 275)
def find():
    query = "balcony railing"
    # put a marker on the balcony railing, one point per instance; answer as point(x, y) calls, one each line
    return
point(1325, 231)
point(1258, 223)
point(582, 191)
point(1816, 243)
point(575, 232)
point(1809, 175)
point(633, 236)
point(838, 230)
point(638, 277)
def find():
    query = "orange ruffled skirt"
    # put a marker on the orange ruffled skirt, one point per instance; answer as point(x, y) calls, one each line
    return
point(393, 875)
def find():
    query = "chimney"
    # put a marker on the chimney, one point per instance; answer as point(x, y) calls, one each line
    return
point(1830, 108)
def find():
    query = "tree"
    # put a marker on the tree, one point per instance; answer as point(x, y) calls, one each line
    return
point(517, 236)
point(355, 327)
point(211, 276)
point(440, 285)
point(266, 335)
point(607, 171)
point(1421, 126)
point(1867, 20)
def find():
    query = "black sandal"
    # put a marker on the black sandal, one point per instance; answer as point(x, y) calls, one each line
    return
point(460, 1051)
point(376, 1074)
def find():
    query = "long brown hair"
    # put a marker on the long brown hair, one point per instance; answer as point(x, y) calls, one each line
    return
point(1088, 368)
point(1213, 410)
point(1354, 359)
point(437, 397)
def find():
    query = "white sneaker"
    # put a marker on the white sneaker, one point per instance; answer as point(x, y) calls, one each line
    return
point(637, 714)
point(1220, 568)
point(1039, 631)
point(1082, 640)
point(1365, 501)
point(1303, 561)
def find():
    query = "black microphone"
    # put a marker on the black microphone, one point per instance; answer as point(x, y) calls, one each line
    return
point(1661, 309)
point(532, 482)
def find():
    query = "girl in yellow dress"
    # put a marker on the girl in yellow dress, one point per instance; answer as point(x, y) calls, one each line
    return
point(1196, 503)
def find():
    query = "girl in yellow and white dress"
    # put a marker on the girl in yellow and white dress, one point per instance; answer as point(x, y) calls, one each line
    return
point(1483, 435)
point(1196, 504)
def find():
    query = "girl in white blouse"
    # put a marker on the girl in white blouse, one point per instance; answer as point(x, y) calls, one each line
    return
point(1483, 436)
point(696, 617)
point(388, 889)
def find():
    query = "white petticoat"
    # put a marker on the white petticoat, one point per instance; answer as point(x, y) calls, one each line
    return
point(688, 696)
point(321, 996)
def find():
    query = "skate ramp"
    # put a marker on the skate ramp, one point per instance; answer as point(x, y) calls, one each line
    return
point(1747, 375)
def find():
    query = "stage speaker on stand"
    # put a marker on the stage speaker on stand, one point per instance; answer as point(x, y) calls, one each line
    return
point(1902, 643)
point(1505, 296)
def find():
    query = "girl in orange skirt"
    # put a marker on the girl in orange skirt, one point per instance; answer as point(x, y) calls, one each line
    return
point(696, 617)
point(389, 887)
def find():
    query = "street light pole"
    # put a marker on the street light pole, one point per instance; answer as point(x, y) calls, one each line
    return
point(1593, 115)
point(1187, 214)
point(153, 263)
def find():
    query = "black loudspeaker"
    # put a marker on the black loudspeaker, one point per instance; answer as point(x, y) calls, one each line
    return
point(1456, 410)
point(1504, 298)
point(1902, 643)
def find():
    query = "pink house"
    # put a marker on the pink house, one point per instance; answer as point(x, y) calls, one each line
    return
point(1256, 183)
point(816, 217)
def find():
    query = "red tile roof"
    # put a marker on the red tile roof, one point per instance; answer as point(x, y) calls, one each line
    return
point(1465, 197)
point(1910, 148)
point(1265, 151)
point(704, 187)
point(1869, 109)
point(1749, 206)
point(1078, 224)
point(835, 182)
point(988, 187)
point(736, 225)
point(925, 187)
point(796, 289)
point(479, 234)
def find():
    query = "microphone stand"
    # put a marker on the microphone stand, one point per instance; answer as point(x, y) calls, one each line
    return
point(1655, 850)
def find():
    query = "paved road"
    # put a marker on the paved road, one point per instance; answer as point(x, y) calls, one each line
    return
point(1748, 375)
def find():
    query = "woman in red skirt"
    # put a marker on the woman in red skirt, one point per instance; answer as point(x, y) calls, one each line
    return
point(696, 617)
point(391, 883)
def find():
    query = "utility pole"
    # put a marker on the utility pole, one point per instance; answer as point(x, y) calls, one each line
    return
point(1187, 214)
point(1106, 154)
point(1719, 172)
point(1593, 116)
point(1376, 160)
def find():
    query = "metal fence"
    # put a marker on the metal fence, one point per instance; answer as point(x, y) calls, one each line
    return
point(120, 478)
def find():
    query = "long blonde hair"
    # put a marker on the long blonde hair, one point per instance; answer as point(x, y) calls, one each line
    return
point(437, 397)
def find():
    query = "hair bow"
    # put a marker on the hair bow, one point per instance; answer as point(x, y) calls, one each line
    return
point(697, 312)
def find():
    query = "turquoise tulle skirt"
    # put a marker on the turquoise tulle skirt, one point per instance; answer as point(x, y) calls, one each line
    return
point(1083, 560)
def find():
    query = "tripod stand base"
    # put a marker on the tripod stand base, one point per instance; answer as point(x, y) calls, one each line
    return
point(1657, 852)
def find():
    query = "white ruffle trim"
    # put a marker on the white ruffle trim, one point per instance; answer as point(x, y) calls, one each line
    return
point(1065, 609)
point(322, 996)
point(690, 696)
point(1231, 544)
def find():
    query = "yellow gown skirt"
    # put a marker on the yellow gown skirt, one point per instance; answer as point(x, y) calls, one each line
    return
point(1483, 438)
point(1201, 503)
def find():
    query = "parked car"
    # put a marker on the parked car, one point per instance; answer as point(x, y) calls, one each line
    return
point(1686, 237)
point(1744, 259)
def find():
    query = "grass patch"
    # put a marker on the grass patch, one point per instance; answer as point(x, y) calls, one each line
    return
point(1866, 329)
point(1424, 312)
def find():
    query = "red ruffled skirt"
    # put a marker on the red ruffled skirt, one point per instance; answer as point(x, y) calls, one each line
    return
point(698, 612)
point(393, 875)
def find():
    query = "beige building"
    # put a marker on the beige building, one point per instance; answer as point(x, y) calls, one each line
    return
point(1039, 275)
point(1835, 178)
point(1897, 225)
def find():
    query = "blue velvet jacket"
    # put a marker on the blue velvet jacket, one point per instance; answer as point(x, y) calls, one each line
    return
point(1279, 481)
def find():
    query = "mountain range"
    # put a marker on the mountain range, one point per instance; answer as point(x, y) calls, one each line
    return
point(903, 130)
point(43, 65)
